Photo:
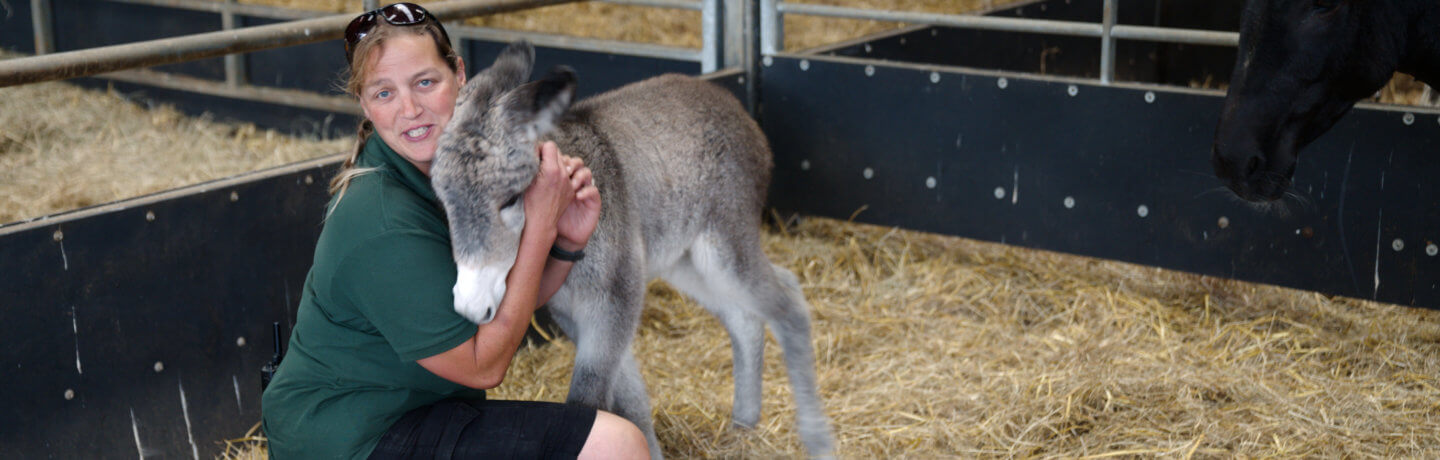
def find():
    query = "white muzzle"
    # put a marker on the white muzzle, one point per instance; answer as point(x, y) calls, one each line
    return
point(478, 292)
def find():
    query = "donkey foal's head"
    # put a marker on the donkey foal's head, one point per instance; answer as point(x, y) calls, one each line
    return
point(485, 160)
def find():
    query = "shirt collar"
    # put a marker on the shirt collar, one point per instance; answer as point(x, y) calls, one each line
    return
point(379, 155)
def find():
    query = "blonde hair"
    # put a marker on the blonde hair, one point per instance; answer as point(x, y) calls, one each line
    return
point(355, 80)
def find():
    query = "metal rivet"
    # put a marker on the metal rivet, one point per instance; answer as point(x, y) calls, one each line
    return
point(867, 47)
point(767, 61)
point(69, 394)
point(234, 196)
point(1002, 82)
point(1069, 202)
point(804, 165)
point(804, 64)
point(869, 70)
point(1398, 244)
point(902, 40)
point(934, 32)
point(309, 180)
point(1409, 119)
point(149, 216)
point(240, 342)
point(58, 236)
point(869, 173)
point(1149, 97)
point(1431, 250)
point(740, 80)
point(1224, 222)
point(999, 193)
point(930, 182)
point(1072, 90)
point(1143, 210)
point(934, 77)
point(159, 366)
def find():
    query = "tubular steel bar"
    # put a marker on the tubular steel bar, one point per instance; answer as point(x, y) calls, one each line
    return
point(475, 33)
point(235, 72)
point(93, 61)
point(243, 9)
point(1045, 26)
point(278, 96)
point(576, 43)
point(1073, 28)
point(710, 57)
point(1169, 35)
point(692, 5)
point(772, 27)
point(43, 26)
point(1107, 43)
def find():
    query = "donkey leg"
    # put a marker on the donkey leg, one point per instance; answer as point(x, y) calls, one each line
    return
point(747, 339)
point(734, 266)
point(631, 401)
point(790, 320)
point(605, 375)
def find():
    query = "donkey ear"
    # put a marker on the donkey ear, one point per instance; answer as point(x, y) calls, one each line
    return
point(512, 66)
point(534, 107)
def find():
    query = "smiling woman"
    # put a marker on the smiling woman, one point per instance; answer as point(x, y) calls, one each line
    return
point(380, 364)
point(406, 98)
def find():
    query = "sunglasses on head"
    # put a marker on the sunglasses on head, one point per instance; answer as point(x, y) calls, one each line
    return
point(397, 14)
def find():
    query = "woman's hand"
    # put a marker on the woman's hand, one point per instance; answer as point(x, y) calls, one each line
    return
point(550, 194)
point(578, 221)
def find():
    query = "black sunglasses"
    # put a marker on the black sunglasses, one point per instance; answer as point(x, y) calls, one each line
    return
point(397, 14)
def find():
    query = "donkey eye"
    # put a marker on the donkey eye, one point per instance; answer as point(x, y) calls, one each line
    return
point(511, 202)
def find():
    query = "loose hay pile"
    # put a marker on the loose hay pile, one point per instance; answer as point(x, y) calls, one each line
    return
point(63, 147)
point(930, 346)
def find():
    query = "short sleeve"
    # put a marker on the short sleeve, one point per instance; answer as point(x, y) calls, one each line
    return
point(401, 282)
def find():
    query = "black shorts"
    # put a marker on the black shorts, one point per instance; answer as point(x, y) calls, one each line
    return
point(462, 429)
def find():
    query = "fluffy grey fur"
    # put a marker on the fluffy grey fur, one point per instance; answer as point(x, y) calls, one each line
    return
point(683, 172)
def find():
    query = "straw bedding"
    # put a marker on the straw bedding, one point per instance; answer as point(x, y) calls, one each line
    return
point(932, 347)
point(64, 147)
point(927, 346)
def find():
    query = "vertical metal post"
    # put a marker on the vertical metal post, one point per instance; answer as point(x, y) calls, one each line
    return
point(751, 42)
point(772, 27)
point(43, 26)
point(733, 43)
point(1107, 44)
point(460, 46)
point(710, 36)
point(235, 72)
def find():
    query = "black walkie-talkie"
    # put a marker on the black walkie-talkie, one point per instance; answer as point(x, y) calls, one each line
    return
point(267, 371)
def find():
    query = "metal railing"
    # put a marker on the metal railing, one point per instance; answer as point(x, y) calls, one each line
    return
point(304, 26)
point(772, 23)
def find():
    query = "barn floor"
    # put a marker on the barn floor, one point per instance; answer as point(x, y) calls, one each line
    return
point(934, 347)
point(928, 346)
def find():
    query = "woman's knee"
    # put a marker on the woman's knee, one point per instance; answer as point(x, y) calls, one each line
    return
point(614, 437)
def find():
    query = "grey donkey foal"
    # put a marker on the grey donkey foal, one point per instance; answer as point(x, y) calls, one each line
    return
point(682, 170)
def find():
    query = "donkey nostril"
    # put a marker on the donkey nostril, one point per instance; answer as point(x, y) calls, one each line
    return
point(1252, 166)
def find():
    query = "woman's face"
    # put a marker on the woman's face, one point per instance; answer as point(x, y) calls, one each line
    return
point(409, 94)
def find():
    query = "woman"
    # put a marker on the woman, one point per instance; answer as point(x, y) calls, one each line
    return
point(379, 364)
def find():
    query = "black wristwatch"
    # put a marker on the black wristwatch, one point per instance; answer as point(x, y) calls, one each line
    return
point(567, 256)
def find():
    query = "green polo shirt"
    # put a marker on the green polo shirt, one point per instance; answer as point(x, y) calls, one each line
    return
point(378, 298)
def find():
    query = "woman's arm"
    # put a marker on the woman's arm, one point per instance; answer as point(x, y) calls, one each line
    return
point(481, 362)
point(574, 228)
